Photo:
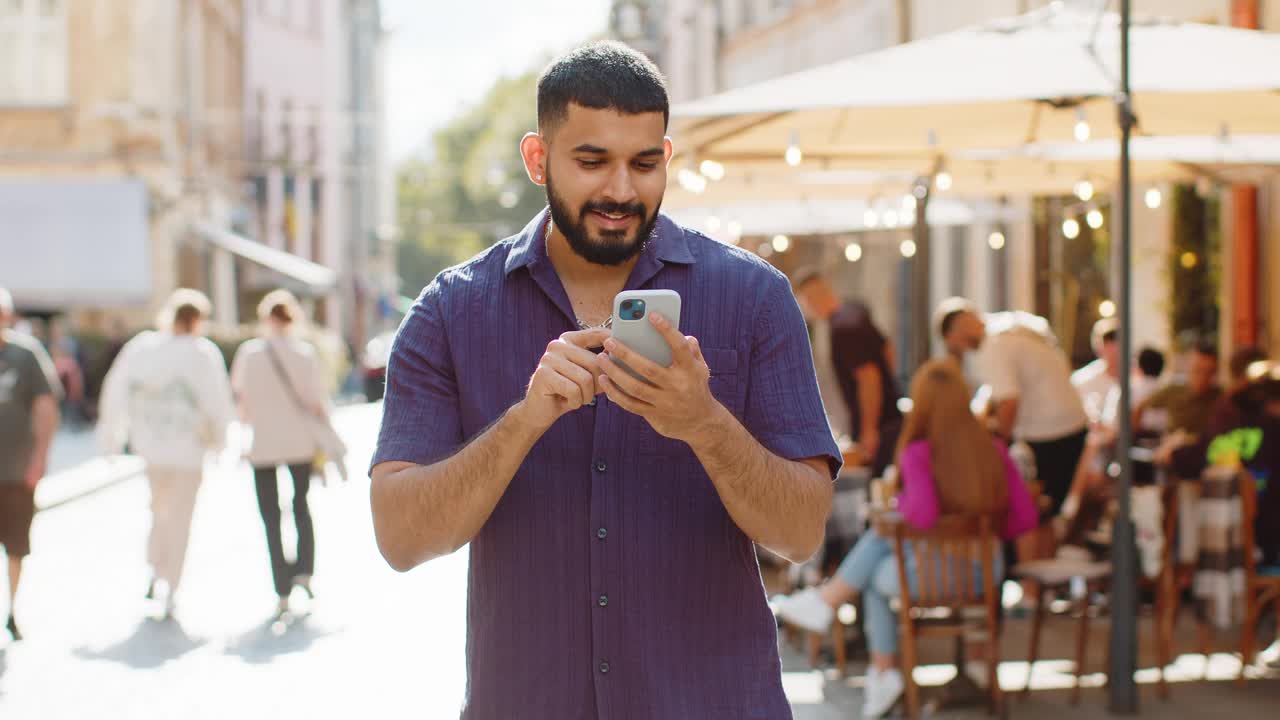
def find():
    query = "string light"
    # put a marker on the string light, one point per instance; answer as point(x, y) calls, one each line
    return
point(712, 170)
point(691, 181)
point(765, 250)
point(870, 218)
point(890, 219)
point(1189, 260)
point(733, 232)
point(781, 243)
point(853, 252)
point(908, 203)
point(996, 240)
point(1107, 309)
point(1153, 198)
point(1070, 229)
point(943, 181)
point(908, 248)
point(1094, 218)
point(1084, 190)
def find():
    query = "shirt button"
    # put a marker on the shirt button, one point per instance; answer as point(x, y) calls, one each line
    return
point(604, 667)
point(602, 533)
point(604, 601)
point(600, 466)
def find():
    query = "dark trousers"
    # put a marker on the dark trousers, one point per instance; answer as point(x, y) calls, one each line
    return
point(269, 505)
point(1056, 462)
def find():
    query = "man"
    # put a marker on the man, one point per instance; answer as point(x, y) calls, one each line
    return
point(1185, 408)
point(28, 419)
point(1099, 379)
point(1031, 392)
point(611, 521)
point(859, 357)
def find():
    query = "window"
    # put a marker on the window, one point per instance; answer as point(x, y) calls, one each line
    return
point(33, 52)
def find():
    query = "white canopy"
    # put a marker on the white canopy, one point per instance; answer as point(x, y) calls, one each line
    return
point(1029, 78)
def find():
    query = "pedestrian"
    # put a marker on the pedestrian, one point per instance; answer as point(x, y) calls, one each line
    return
point(861, 358)
point(1031, 392)
point(28, 419)
point(168, 398)
point(949, 465)
point(611, 521)
point(279, 389)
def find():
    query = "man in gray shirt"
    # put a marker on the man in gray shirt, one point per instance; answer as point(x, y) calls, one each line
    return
point(28, 419)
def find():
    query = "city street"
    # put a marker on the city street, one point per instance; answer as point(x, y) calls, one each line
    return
point(376, 643)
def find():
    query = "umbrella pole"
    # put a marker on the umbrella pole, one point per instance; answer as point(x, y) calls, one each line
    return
point(1124, 602)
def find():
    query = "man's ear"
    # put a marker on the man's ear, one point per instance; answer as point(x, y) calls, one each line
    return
point(533, 149)
point(668, 151)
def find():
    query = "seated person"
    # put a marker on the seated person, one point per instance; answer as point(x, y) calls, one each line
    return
point(949, 465)
point(1186, 407)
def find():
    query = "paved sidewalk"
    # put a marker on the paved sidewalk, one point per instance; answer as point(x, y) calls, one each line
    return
point(77, 468)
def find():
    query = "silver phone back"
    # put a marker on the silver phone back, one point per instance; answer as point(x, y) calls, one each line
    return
point(640, 335)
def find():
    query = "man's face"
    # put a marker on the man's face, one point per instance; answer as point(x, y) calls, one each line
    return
point(606, 173)
point(1202, 373)
point(966, 334)
point(812, 298)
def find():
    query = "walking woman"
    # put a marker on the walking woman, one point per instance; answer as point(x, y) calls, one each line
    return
point(167, 397)
point(949, 465)
point(280, 393)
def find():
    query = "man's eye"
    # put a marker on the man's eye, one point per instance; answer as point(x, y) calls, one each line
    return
point(589, 164)
point(646, 165)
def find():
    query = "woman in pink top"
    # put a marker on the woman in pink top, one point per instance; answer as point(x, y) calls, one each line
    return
point(949, 465)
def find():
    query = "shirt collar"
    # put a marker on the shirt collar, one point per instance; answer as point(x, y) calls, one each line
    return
point(668, 244)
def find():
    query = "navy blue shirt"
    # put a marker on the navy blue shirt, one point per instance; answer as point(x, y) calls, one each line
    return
point(610, 582)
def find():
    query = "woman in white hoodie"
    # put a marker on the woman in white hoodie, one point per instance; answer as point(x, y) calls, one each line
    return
point(168, 397)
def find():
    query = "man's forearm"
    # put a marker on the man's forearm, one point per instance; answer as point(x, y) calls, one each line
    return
point(780, 504)
point(1006, 416)
point(421, 512)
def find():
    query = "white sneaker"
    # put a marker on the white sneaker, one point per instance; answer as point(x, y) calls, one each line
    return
point(806, 609)
point(882, 691)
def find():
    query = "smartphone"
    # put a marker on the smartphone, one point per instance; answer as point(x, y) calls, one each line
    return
point(632, 327)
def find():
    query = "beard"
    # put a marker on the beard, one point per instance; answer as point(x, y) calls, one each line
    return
point(611, 247)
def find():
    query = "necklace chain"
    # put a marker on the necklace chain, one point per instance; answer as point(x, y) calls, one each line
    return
point(582, 324)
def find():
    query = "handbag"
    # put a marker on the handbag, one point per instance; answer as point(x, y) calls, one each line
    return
point(329, 446)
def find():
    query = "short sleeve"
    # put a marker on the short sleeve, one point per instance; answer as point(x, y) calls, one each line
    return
point(421, 419)
point(999, 369)
point(784, 410)
point(43, 378)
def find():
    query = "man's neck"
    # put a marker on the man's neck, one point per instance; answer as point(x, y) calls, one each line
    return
point(576, 271)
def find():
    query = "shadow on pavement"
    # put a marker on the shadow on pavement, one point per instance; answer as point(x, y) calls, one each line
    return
point(264, 643)
point(152, 644)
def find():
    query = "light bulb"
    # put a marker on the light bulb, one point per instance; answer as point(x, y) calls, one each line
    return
point(853, 252)
point(794, 156)
point(1107, 309)
point(1070, 229)
point(890, 219)
point(908, 203)
point(1082, 126)
point(712, 170)
point(870, 218)
point(781, 243)
point(908, 248)
point(1153, 198)
point(996, 240)
point(943, 181)
point(765, 250)
point(1084, 190)
point(1094, 218)
point(1189, 260)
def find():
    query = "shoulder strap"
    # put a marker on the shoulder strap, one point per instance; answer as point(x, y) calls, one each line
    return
point(284, 378)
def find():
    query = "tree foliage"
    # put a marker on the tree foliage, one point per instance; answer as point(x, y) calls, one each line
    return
point(469, 188)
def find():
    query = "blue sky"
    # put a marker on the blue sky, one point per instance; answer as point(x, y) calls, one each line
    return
point(444, 54)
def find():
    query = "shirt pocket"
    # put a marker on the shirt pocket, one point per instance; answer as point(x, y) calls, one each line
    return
point(725, 387)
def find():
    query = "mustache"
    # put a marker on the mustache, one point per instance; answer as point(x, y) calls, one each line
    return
point(615, 208)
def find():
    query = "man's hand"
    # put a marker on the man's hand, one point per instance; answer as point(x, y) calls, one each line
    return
point(564, 379)
point(35, 470)
point(677, 401)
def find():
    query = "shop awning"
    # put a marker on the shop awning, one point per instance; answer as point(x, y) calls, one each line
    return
point(75, 241)
point(316, 277)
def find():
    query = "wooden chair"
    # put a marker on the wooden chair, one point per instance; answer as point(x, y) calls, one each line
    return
point(946, 585)
point(1262, 585)
point(1049, 577)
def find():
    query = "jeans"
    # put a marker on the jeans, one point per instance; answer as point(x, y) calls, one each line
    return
point(282, 574)
point(872, 568)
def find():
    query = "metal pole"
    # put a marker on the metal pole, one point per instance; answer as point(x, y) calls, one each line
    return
point(1124, 602)
point(921, 277)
